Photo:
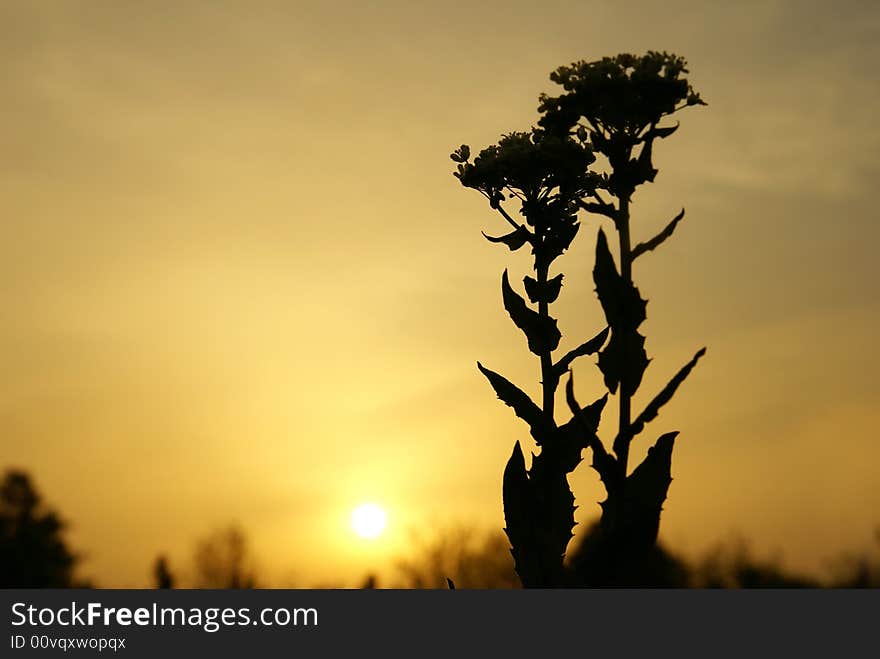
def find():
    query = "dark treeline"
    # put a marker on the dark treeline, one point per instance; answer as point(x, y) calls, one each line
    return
point(35, 554)
point(474, 560)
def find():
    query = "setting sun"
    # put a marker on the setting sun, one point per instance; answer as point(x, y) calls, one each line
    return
point(368, 520)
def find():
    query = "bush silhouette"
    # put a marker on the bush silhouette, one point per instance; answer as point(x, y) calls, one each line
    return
point(659, 567)
point(613, 109)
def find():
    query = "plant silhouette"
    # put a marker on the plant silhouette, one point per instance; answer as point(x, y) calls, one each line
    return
point(611, 108)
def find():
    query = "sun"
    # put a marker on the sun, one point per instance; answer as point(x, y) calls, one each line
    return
point(368, 520)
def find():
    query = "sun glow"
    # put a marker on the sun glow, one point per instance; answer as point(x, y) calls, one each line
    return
point(368, 520)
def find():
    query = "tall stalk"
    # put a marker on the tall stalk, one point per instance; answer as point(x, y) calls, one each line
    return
point(548, 384)
point(625, 404)
point(547, 175)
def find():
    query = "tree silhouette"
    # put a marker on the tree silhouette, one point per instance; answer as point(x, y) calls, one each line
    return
point(612, 108)
point(162, 575)
point(33, 552)
point(732, 565)
point(223, 560)
point(858, 569)
point(465, 556)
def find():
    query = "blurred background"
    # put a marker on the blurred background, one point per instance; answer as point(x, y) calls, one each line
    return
point(242, 294)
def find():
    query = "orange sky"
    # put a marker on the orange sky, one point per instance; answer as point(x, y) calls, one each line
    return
point(239, 282)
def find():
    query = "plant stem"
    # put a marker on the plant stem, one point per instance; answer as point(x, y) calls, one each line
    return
point(548, 382)
point(625, 413)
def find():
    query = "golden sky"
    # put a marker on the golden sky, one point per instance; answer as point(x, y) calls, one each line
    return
point(239, 282)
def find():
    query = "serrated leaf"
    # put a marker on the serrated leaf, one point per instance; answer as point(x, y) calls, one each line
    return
point(653, 408)
point(515, 485)
point(647, 487)
point(541, 332)
point(623, 362)
point(522, 405)
point(665, 395)
point(584, 424)
point(519, 517)
point(514, 240)
point(588, 417)
point(554, 523)
point(605, 273)
point(657, 240)
point(590, 347)
point(624, 308)
point(651, 478)
point(532, 288)
point(546, 293)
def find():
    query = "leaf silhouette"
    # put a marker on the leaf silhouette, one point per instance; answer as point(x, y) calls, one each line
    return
point(623, 361)
point(647, 487)
point(541, 331)
point(519, 518)
point(587, 348)
point(525, 409)
point(553, 502)
point(514, 240)
point(546, 293)
point(657, 240)
point(653, 408)
point(662, 132)
point(586, 420)
point(587, 417)
point(624, 308)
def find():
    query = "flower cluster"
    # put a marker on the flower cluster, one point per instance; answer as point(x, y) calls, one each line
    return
point(547, 173)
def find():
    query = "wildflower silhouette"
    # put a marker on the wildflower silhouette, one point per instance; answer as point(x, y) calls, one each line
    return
point(611, 108)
